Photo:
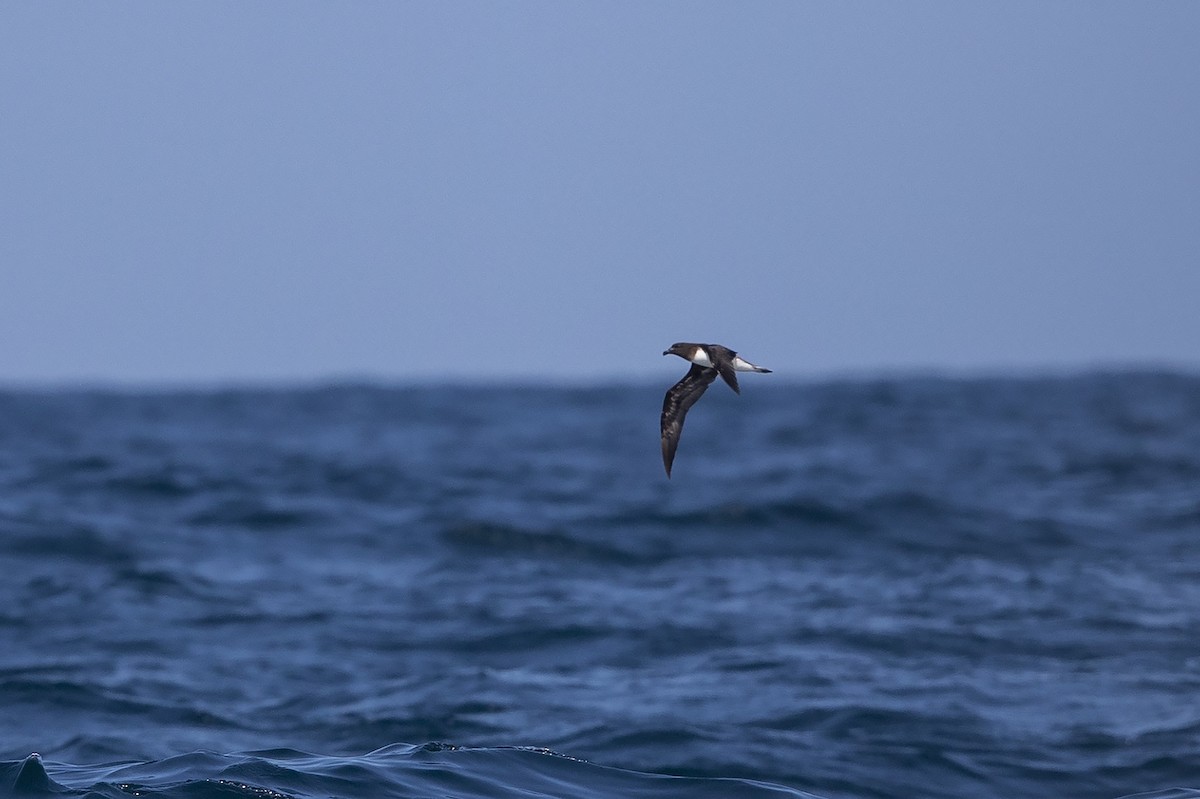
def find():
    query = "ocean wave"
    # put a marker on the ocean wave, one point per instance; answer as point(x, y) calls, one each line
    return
point(65, 539)
point(494, 537)
point(400, 771)
point(257, 514)
point(909, 520)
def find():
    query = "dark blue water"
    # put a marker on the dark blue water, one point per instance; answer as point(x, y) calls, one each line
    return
point(888, 588)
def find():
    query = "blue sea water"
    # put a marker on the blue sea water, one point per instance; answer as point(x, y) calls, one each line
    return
point(901, 587)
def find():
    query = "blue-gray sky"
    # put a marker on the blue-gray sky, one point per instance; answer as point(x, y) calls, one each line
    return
point(244, 191)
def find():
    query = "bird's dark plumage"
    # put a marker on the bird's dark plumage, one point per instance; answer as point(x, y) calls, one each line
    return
point(683, 395)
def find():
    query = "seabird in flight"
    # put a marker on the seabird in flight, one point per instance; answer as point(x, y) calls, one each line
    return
point(708, 361)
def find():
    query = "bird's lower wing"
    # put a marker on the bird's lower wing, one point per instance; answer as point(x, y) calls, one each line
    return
point(679, 399)
point(729, 375)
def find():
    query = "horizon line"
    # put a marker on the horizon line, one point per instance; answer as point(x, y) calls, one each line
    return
point(365, 379)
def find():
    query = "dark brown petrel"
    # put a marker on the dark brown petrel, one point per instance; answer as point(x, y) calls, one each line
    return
point(708, 361)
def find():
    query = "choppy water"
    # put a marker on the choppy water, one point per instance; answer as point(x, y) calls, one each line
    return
point(888, 588)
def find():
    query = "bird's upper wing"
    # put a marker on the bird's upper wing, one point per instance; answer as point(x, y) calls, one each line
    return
point(722, 358)
point(679, 399)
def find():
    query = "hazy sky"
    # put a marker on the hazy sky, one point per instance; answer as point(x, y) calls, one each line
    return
point(242, 191)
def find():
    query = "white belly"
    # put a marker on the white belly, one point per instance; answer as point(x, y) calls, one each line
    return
point(701, 358)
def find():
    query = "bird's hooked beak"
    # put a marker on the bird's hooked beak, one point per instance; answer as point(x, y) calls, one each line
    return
point(666, 352)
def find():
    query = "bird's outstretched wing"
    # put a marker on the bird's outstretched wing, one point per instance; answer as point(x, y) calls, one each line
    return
point(679, 399)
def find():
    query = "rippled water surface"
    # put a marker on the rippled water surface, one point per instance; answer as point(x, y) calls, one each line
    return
point(870, 588)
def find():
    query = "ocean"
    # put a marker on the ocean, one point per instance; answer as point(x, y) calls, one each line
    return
point(903, 586)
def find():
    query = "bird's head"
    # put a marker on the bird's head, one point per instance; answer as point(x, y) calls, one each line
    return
point(680, 348)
